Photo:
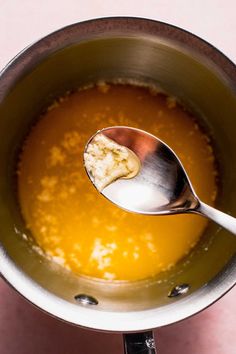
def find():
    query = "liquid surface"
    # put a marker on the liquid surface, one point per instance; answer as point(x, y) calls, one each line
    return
point(78, 227)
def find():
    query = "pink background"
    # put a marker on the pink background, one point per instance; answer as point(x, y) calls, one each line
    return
point(26, 330)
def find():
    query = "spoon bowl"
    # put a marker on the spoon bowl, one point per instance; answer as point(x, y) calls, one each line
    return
point(162, 185)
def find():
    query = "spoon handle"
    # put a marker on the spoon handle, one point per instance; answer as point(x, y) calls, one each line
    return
point(224, 220)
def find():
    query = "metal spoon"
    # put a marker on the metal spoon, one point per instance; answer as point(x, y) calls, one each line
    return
point(162, 185)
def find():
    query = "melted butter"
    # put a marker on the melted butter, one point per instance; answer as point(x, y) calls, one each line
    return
point(76, 226)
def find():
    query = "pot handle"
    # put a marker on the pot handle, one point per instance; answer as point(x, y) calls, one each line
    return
point(139, 343)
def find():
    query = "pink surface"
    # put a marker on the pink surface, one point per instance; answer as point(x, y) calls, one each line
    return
point(26, 330)
point(24, 21)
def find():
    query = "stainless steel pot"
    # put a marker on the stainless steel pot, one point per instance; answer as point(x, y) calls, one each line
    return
point(113, 48)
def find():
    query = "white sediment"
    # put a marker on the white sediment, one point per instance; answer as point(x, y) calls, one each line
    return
point(107, 161)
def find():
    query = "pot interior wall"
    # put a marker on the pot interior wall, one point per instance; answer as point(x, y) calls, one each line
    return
point(192, 79)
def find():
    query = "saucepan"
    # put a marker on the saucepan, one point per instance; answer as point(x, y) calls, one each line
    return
point(112, 49)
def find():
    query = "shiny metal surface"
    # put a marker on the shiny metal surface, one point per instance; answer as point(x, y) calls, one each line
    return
point(137, 50)
point(162, 186)
point(85, 299)
point(179, 290)
point(139, 343)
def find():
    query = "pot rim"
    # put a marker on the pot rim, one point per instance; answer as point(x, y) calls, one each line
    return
point(90, 317)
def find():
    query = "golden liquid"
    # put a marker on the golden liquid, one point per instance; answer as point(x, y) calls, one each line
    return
point(81, 229)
